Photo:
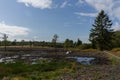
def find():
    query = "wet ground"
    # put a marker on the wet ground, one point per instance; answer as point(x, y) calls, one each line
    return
point(32, 57)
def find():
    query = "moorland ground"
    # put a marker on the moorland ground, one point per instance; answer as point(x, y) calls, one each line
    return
point(57, 67)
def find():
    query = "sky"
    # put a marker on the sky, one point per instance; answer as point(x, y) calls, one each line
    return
point(41, 19)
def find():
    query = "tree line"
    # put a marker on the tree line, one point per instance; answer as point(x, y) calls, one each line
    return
point(66, 44)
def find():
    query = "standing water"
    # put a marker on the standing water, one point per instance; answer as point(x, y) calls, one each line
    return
point(83, 60)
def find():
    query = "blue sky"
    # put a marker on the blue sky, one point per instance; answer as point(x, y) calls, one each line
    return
point(41, 19)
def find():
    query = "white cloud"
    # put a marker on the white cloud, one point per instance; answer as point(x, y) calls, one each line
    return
point(64, 4)
point(97, 5)
point(111, 7)
point(116, 27)
point(13, 30)
point(116, 13)
point(81, 1)
point(86, 14)
point(100, 4)
point(42, 4)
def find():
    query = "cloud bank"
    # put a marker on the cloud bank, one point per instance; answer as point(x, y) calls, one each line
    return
point(42, 4)
point(13, 30)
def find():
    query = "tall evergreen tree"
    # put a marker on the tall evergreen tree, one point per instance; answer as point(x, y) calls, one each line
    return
point(101, 33)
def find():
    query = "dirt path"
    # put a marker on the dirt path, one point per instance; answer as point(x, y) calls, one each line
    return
point(109, 53)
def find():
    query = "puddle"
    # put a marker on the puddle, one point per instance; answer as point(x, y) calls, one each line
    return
point(1, 60)
point(83, 60)
point(28, 58)
point(33, 63)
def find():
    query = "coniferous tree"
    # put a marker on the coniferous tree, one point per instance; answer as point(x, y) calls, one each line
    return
point(101, 33)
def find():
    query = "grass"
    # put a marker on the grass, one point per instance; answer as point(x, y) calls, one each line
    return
point(59, 69)
point(115, 49)
point(48, 70)
point(90, 50)
point(56, 70)
point(84, 50)
point(115, 59)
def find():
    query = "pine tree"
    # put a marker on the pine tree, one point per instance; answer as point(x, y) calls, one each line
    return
point(101, 33)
